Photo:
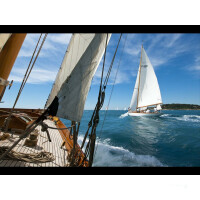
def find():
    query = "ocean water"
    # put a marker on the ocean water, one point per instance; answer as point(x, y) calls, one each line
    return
point(172, 139)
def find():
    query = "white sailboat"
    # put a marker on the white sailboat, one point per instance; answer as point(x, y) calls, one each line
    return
point(146, 93)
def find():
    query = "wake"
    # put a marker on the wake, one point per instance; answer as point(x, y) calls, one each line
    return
point(188, 118)
point(109, 155)
point(123, 115)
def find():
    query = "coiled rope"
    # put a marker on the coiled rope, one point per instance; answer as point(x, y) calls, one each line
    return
point(41, 157)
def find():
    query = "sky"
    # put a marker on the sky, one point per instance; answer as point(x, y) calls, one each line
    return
point(175, 58)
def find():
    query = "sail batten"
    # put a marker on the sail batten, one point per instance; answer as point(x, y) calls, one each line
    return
point(148, 93)
point(74, 78)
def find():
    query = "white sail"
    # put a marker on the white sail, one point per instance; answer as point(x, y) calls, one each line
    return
point(149, 91)
point(133, 105)
point(77, 46)
point(3, 39)
point(74, 78)
point(158, 107)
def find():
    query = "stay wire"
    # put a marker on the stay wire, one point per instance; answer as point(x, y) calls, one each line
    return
point(24, 79)
point(111, 65)
point(111, 94)
point(26, 76)
point(99, 97)
point(100, 104)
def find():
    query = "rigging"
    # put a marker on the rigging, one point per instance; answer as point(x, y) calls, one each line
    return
point(90, 147)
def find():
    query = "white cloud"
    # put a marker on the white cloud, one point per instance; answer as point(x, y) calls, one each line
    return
point(197, 59)
point(172, 40)
point(194, 68)
point(51, 44)
point(60, 38)
point(37, 76)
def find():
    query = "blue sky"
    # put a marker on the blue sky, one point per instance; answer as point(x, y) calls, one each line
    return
point(175, 57)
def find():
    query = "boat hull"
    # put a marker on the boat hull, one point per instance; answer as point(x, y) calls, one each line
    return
point(144, 114)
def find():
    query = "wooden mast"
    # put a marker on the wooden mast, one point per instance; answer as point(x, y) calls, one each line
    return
point(8, 56)
point(139, 78)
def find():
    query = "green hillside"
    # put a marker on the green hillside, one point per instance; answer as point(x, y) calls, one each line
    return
point(175, 106)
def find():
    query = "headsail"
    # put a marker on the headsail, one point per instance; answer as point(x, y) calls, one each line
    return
point(77, 46)
point(133, 105)
point(149, 91)
point(74, 78)
point(3, 39)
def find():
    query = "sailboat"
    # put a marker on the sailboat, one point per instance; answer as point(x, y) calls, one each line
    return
point(25, 133)
point(146, 99)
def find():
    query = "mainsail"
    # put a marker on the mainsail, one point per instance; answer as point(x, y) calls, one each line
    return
point(3, 39)
point(147, 91)
point(74, 78)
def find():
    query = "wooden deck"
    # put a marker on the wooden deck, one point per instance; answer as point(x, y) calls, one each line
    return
point(42, 145)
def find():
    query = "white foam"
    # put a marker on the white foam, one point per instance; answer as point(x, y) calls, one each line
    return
point(124, 115)
point(165, 115)
point(108, 155)
point(189, 118)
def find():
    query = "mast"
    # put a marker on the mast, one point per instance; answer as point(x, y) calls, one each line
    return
point(8, 56)
point(139, 78)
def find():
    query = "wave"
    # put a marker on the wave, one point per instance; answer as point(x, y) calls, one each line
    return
point(108, 155)
point(189, 118)
point(165, 115)
point(123, 115)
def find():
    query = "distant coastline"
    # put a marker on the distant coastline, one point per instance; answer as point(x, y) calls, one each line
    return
point(176, 106)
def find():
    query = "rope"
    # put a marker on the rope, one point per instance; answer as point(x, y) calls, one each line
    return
point(29, 69)
point(110, 69)
point(41, 157)
point(90, 147)
point(111, 94)
point(47, 126)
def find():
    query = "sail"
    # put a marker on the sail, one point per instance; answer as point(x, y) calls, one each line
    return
point(158, 107)
point(3, 39)
point(77, 46)
point(133, 105)
point(149, 91)
point(73, 81)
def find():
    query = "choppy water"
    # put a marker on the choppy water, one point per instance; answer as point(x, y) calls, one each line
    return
point(172, 139)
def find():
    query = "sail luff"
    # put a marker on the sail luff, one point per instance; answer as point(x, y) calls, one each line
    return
point(139, 79)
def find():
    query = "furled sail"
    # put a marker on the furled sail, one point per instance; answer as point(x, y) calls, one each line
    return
point(149, 91)
point(3, 39)
point(74, 78)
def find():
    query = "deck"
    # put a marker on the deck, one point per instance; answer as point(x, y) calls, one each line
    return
point(42, 145)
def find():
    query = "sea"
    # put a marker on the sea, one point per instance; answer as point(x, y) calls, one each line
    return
point(172, 139)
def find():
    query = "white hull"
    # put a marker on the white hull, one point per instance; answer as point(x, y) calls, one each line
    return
point(144, 114)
